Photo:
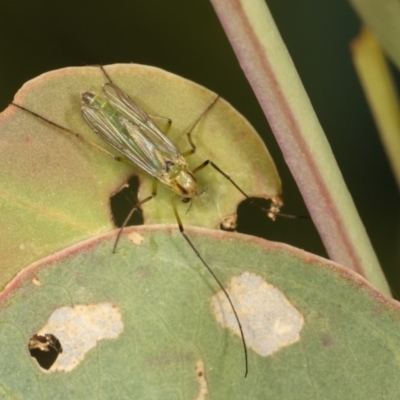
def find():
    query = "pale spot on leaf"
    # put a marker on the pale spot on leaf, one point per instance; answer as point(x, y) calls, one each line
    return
point(135, 238)
point(269, 320)
point(201, 380)
point(79, 328)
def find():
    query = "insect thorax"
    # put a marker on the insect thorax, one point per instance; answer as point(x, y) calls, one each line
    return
point(181, 180)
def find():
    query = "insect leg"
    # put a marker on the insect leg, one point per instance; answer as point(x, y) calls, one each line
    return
point(166, 119)
point(189, 133)
point(77, 135)
point(208, 162)
point(272, 212)
point(225, 175)
point(178, 219)
point(134, 208)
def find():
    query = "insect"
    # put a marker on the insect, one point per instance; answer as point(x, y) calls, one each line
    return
point(128, 129)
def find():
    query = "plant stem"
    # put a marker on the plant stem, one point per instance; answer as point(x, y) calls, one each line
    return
point(379, 88)
point(273, 77)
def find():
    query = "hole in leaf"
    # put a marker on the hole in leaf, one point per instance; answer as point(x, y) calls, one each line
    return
point(45, 348)
point(251, 218)
point(122, 202)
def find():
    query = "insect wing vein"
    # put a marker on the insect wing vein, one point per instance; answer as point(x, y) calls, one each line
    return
point(121, 139)
point(137, 116)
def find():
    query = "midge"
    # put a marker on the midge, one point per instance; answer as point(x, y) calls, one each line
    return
point(128, 129)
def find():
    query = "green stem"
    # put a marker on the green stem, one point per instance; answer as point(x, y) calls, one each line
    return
point(273, 77)
point(379, 88)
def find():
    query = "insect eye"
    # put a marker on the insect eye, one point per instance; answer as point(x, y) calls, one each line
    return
point(185, 199)
point(168, 164)
point(87, 97)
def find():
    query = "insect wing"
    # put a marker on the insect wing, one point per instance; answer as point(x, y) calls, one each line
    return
point(123, 137)
point(129, 109)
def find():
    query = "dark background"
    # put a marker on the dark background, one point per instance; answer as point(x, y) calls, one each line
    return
point(185, 37)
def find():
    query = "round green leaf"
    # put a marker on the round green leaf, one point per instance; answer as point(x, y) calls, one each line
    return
point(55, 188)
point(313, 329)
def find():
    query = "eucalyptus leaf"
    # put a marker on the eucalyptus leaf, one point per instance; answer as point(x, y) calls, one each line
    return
point(55, 188)
point(313, 329)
